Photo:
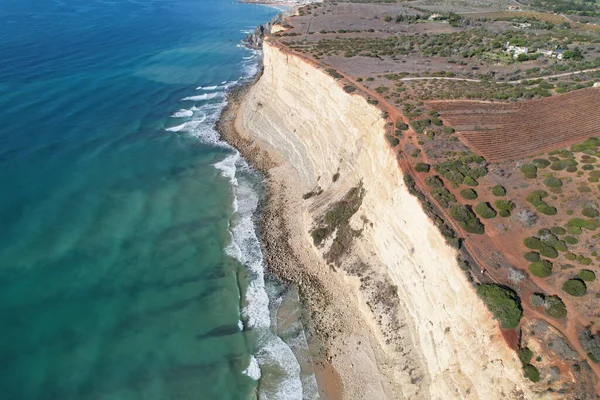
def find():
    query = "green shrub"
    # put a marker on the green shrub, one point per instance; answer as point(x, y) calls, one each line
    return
point(574, 230)
point(558, 230)
point(587, 275)
point(532, 243)
point(503, 303)
point(401, 126)
point(504, 213)
point(560, 246)
point(590, 212)
point(485, 210)
point(528, 169)
point(532, 256)
point(540, 163)
point(334, 73)
point(553, 182)
point(499, 191)
point(422, 167)
point(467, 219)
point(530, 175)
point(392, 140)
point(531, 373)
point(541, 269)
point(590, 224)
point(468, 194)
point(504, 205)
point(546, 209)
point(319, 234)
point(548, 251)
point(571, 240)
point(575, 287)
point(470, 181)
point(554, 307)
point(443, 196)
point(536, 197)
point(525, 355)
point(434, 181)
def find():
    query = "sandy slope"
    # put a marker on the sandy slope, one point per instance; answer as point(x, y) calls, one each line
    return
point(440, 342)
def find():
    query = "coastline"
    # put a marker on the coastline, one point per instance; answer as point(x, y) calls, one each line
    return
point(272, 225)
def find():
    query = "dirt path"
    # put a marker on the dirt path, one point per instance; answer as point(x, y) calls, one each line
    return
point(425, 78)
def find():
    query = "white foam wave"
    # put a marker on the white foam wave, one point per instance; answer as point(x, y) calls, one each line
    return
point(245, 247)
point(205, 96)
point(183, 113)
point(280, 357)
point(253, 369)
point(273, 355)
point(176, 128)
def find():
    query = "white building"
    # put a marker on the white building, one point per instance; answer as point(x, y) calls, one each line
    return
point(516, 50)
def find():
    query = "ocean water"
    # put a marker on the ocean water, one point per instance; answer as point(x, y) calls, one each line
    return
point(129, 263)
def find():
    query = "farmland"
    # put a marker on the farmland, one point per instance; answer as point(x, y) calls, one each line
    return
point(504, 131)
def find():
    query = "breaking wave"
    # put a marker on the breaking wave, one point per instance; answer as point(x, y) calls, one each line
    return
point(273, 357)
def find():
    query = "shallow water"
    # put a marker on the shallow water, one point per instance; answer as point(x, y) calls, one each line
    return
point(119, 277)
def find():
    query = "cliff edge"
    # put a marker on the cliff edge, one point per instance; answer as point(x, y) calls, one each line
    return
point(399, 319)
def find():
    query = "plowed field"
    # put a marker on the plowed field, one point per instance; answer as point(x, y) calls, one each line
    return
point(508, 131)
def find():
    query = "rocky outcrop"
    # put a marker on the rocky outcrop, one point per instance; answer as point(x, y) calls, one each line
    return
point(255, 39)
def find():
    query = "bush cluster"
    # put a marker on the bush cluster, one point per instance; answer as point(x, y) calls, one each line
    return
point(422, 167)
point(503, 303)
point(499, 191)
point(468, 194)
point(531, 373)
point(553, 182)
point(467, 219)
point(450, 235)
point(529, 170)
point(541, 269)
point(587, 275)
point(554, 307)
point(590, 212)
point(485, 210)
point(532, 256)
point(504, 207)
point(536, 199)
point(463, 170)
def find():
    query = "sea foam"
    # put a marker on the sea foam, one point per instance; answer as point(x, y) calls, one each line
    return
point(205, 96)
point(245, 247)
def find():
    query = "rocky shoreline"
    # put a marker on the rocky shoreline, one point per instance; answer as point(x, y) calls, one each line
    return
point(281, 260)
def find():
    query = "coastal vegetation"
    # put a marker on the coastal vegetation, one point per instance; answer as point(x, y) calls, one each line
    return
point(337, 218)
point(503, 303)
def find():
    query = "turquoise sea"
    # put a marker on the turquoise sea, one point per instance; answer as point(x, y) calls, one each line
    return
point(129, 263)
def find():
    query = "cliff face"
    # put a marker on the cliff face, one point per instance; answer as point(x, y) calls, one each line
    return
point(301, 113)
